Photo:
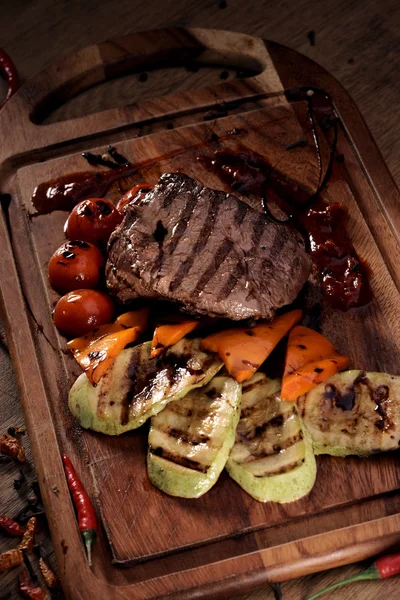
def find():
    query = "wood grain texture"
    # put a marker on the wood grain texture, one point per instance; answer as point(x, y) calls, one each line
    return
point(343, 23)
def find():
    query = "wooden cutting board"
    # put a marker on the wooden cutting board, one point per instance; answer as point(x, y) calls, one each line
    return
point(224, 542)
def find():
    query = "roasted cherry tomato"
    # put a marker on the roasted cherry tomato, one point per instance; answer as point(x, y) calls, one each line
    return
point(75, 265)
point(135, 192)
point(92, 220)
point(80, 311)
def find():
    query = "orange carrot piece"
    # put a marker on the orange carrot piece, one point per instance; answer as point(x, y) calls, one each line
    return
point(168, 335)
point(304, 346)
point(97, 358)
point(308, 377)
point(243, 350)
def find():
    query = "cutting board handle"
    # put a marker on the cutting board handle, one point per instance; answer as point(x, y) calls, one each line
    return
point(98, 63)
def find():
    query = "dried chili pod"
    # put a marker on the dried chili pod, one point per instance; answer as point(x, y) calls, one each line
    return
point(11, 446)
point(11, 527)
point(10, 74)
point(49, 576)
point(28, 541)
point(16, 430)
point(10, 559)
point(29, 590)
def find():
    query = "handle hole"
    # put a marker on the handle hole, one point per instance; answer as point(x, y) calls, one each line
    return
point(136, 87)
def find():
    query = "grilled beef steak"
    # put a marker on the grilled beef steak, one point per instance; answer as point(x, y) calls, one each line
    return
point(206, 250)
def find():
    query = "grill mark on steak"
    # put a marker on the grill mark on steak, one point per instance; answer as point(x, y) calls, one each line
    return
point(258, 230)
point(233, 278)
point(230, 283)
point(182, 224)
point(170, 195)
point(199, 246)
point(215, 263)
point(277, 246)
point(240, 213)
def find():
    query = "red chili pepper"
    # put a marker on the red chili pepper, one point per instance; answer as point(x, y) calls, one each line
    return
point(11, 527)
point(383, 567)
point(29, 590)
point(10, 74)
point(11, 446)
point(87, 519)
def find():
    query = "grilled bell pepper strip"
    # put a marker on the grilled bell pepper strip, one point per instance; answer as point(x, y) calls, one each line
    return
point(28, 589)
point(100, 355)
point(244, 349)
point(170, 334)
point(10, 527)
point(28, 540)
point(11, 559)
point(11, 446)
point(134, 318)
point(87, 519)
point(97, 350)
point(10, 74)
point(383, 567)
point(310, 359)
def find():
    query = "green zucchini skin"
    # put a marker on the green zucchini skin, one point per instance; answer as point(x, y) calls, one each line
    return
point(353, 413)
point(190, 440)
point(136, 387)
point(273, 458)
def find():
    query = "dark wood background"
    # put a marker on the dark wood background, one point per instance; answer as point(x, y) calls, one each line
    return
point(358, 42)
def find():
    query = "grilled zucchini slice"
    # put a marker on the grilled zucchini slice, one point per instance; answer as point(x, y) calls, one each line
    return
point(137, 387)
point(190, 440)
point(272, 459)
point(353, 412)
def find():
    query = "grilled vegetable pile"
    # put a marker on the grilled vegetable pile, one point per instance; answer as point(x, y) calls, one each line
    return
point(210, 408)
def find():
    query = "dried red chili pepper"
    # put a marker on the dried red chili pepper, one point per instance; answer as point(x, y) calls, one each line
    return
point(28, 589)
point(10, 74)
point(16, 431)
point(50, 578)
point(383, 567)
point(10, 559)
point(87, 519)
point(28, 541)
point(11, 527)
point(11, 446)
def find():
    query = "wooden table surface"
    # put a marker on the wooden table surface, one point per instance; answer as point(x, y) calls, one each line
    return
point(358, 42)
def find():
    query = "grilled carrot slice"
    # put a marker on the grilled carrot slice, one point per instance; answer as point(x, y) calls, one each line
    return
point(243, 350)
